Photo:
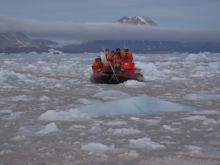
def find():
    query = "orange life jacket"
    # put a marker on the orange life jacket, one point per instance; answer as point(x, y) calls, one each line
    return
point(127, 57)
point(97, 64)
point(115, 60)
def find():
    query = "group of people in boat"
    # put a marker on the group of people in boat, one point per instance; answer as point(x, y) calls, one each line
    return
point(115, 57)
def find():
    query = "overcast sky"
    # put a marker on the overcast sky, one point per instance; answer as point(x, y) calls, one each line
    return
point(84, 19)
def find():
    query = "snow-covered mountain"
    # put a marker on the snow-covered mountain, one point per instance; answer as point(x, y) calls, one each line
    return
point(137, 20)
point(17, 41)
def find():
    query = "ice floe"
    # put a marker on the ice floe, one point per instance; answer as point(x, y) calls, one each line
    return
point(116, 123)
point(97, 147)
point(111, 95)
point(206, 112)
point(145, 143)
point(45, 98)
point(209, 121)
point(95, 129)
point(7, 76)
point(152, 121)
point(169, 128)
point(134, 118)
point(18, 138)
point(128, 156)
point(71, 115)
point(134, 84)
point(18, 98)
point(51, 127)
point(195, 118)
point(197, 57)
point(201, 97)
point(193, 148)
point(149, 71)
point(74, 127)
point(122, 131)
point(38, 130)
point(87, 101)
point(131, 105)
point(5, 111)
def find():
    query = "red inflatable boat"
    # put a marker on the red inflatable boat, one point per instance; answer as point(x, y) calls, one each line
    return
point(109, 74)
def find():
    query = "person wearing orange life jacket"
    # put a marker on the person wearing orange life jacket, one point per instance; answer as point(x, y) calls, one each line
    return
point(127, 55)
point(118, 53)
point(111, 57)
point(118, 57)
point(97, 64)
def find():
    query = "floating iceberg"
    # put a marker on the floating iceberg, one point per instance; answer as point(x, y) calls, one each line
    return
point(133, 105)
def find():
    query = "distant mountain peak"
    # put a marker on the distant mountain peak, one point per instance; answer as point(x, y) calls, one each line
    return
point(137, 20)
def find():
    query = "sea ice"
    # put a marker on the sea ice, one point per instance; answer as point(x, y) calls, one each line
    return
point(18, 138)
point(44, 98)
point(71, 115)
point(169, 128)
point(128, 156)
point(152, 121)
point(214, 65)
point(178, 79)
point(149, 71)
point(193, 148)
point(88, 101)
point(145, 143)
point(134, 84)
point(197, 57)
point(51, 127)
point(134, 118)
point(97, 147)
point(116, 123)
point(205, 112)
point(7, 76)
point(111, 95)
point(18, 98)
point(30, 130)
point(123, 131)
point(95, 129)
point(201, 97)
point(195, 118)
point(209, 121)
point(73, 127)
point(132, 105)
point(14, 115)
point(5, 111)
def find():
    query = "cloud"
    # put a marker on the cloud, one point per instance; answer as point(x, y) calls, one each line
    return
point(69, 32)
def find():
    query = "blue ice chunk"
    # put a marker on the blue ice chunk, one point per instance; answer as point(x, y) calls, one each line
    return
point(135, 105)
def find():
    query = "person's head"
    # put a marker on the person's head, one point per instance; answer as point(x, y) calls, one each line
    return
point(99, 59)
point(126, 49)
point(118, 49)
point(106, 50)
point(112, 52)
